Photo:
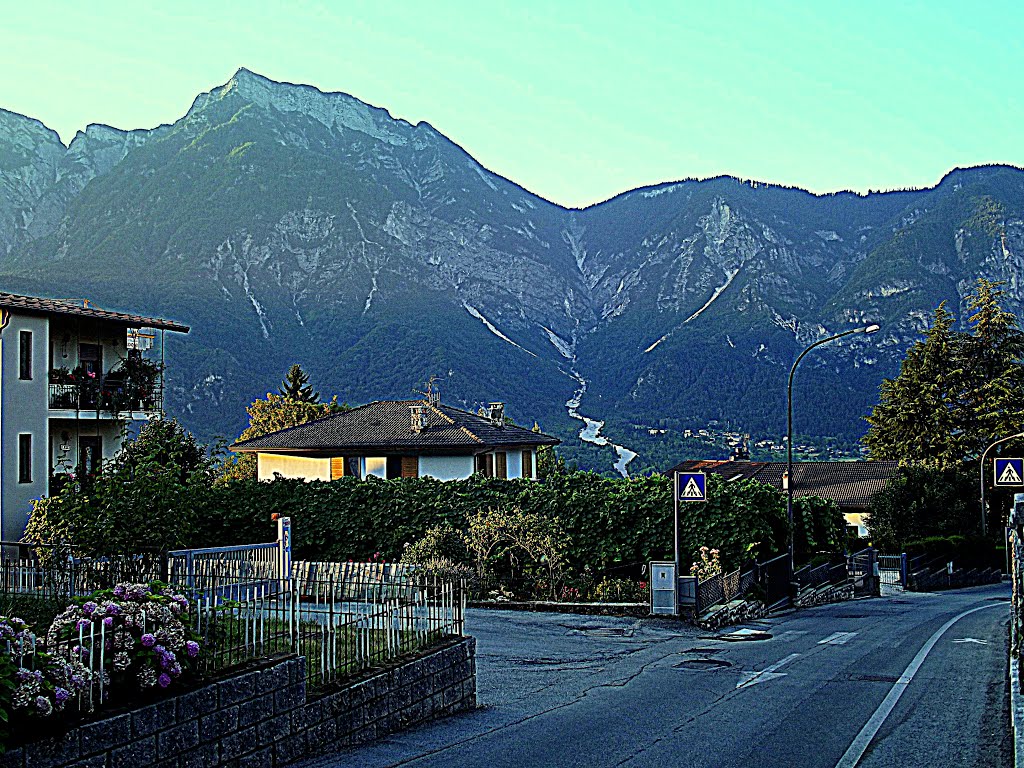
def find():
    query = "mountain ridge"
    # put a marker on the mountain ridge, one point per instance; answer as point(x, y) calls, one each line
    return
point(288, 224)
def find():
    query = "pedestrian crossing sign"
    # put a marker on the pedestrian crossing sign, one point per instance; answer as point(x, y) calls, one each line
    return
point(1009, 471)
point(691, 486)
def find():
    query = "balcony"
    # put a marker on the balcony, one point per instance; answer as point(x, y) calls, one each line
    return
point(134, 386)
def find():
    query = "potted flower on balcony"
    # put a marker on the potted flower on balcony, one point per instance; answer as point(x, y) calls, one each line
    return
point(135, 383)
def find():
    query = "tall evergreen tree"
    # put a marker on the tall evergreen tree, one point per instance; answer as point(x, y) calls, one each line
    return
point(956, 392)
point(296, 386)
point(995, 396)
point(918, 419)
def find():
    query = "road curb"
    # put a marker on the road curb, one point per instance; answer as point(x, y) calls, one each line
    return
point(1016, 712)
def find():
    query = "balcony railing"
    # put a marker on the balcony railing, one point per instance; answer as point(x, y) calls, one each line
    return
point(115, 396)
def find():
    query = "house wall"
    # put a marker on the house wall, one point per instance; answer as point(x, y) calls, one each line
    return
point(23, 410)
point(446, 467)
point(299, 467)
point(108, 430)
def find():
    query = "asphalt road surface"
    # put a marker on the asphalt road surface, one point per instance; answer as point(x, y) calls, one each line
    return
point(907, 680)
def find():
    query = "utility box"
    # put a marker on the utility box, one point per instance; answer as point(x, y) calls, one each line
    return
point(663, 589)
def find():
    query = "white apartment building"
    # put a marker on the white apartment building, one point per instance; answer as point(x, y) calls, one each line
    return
point(72, 380)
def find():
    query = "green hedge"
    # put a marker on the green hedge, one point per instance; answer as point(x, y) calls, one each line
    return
point(608, 521)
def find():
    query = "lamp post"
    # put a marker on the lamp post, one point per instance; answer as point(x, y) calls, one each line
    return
point(789, 428)
point(981, 471)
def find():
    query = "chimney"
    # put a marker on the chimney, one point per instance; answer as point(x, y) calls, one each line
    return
point(497, 414)
point(418, 418)
point(433, 397)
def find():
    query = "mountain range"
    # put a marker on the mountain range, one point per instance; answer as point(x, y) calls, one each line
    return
point(287, 225)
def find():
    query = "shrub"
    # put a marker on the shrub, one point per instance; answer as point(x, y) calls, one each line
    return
point(611, 590)
point(707, 565)
point(145, 640)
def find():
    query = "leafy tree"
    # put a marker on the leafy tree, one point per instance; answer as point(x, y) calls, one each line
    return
point(150, 496)
point(296, 386)
point(274, 413)
point(924, 501)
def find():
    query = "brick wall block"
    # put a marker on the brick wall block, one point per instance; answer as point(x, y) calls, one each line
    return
point(255, 711)
point(264, 758)
point(96, 761)
point(203, 756)
point(176, 740)
point(215, 725)
point(151, 719)
point(237, 744)
point(140, 752)
point(194, 704)
point(237, 689)
point(105, 735)
point(53, 752)
point(289, 749)
point(289, 698)
point(271, 730)
point(307, 716)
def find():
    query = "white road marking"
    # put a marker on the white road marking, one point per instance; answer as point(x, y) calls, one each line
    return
point(839, 638)
point(766, 674)
point(863, 739)
point(971, 640)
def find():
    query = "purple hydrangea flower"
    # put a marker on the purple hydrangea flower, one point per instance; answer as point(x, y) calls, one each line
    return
point(43, 704)
point(82, 623)
point(119, 590)
point(108, 621)
point(164, 680)
point(175, 670)
point(192, 648)
point(148, 640)
point(61, 694)
point(89, 608)
point(113, 609)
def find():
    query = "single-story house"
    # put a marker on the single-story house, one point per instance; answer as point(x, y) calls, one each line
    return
point(851, 484)
point(400, 438)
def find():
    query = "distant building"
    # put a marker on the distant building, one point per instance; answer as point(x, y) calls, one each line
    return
point(71, 375)
point(851, 484)
point(400, 438)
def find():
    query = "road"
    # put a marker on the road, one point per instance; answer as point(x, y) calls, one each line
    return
point(907, 680)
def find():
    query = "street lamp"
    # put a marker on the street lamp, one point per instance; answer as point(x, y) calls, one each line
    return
point(1000, 441)
point(789, 428)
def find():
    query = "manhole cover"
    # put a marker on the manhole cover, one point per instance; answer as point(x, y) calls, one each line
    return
point(741, 635)
point(702, 664)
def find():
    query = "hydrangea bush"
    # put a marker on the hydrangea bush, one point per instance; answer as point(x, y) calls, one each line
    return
point(135, 629)
point(35, 683)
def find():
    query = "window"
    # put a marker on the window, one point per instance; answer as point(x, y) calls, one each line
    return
point(25, 360)
point(485, 464)
point(90, 356)
point(352, 467)
point(90, 454)
point(376, 466)
point(24, 458)
point(528, 464)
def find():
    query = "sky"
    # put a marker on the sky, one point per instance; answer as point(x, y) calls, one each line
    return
point(576, 101)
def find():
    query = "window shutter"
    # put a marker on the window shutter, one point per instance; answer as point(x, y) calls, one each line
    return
point(410, 466)
point(337, 467)
point(501, 464)
point(528, 463)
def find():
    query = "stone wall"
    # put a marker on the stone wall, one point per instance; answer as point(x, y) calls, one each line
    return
point(264, 717)
point(836, 593)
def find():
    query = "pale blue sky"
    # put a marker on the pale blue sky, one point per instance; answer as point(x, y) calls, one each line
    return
point(577, 101)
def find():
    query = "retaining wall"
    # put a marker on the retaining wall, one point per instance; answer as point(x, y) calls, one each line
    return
point(264, 718)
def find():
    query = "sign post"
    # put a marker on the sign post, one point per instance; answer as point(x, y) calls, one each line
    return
point(687, 486)
point(1008, 471)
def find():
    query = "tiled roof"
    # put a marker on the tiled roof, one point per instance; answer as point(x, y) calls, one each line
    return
point(386, 425)
point(850, 484)
point(78, 308)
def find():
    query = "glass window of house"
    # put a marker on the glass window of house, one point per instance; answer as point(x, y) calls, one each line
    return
point(25, 359)
point(24, 458)
point(377, 466)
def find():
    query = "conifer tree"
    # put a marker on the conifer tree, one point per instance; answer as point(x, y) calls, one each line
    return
point(296, 386)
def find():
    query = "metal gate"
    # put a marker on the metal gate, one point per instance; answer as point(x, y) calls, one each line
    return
point(892, 571)
point(863, 570)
